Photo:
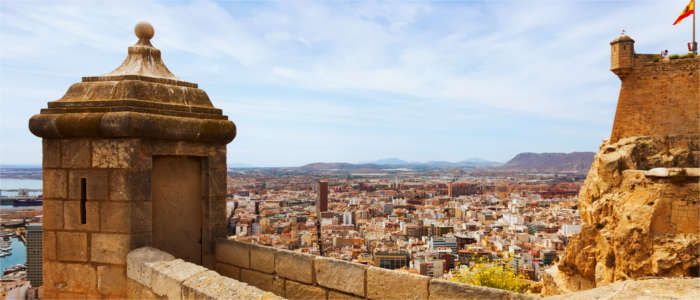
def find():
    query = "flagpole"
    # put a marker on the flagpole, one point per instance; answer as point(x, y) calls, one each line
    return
point(695, 44)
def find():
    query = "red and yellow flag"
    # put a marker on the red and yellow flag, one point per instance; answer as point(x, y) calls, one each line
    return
point(689, 10)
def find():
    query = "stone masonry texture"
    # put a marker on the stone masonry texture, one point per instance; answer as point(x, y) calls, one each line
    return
point(262, 258)
point(99, 143)
point(659, 99)
point(388, 284)
point(335, 274)
point(154, 274)
point(299, 291)
point(443, 289)
point(295, 266)
point(330, 278)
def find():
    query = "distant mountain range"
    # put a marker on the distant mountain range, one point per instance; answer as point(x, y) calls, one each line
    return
point(467, 163)
point(575, 162)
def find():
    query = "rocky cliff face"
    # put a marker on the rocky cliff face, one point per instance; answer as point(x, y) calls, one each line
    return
point(639, 206)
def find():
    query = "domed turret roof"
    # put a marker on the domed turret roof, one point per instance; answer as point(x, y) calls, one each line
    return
point(622, 38)
point(140, 98)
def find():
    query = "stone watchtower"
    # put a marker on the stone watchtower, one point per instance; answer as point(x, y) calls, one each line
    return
point(622, 55)
point(132, 158)
point(658, 97)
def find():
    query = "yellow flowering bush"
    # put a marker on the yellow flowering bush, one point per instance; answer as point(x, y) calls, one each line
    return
point(494, 275)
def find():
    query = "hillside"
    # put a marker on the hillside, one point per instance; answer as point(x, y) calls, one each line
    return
point(576, 162)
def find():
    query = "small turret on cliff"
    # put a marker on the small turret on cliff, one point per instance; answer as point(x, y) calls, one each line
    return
point(639, 203)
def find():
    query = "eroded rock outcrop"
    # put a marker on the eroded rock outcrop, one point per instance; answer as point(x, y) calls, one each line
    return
point(639, 206)
point(639, 203)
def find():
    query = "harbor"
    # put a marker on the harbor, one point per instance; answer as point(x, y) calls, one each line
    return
point(20, 205)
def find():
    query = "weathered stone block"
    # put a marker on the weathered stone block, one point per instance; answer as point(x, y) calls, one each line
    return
point(62, 277)
point(228, 270)
point(257, 279)
point(340, 275)
point(217, 211)
point(333, 295)
point(71, 246)
point(217, 157)
point(233, 252)
point(118, 153)
point(169, 275)
point(110, 248)
point(136, 268)
point(163, 147)
point(51, 149)
point(53, 214)
point(262, 258)
point(48, 245)
point(71, 216)
point(295, 290)
point(55, 184)
point(202, 286)
point(217, 182)
point(210, 285)
point(295, 266)
point(128, 185)
point(111, 280)
point(443, 289)
point(141, 216)
point(96, 184)
point(388, 284)
point(75, 153)
point(134, 290)
point(116, 217)
point(278, 284)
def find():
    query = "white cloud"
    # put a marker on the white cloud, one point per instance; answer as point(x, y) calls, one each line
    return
point(390, 62)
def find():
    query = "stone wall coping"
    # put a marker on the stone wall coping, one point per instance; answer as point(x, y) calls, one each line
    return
point(294, 265)
point(262, 258)
point(341, 275)
point(175, 278)
point(389, 284)
point(137, 259)
point(315, 273)
point(445, 289)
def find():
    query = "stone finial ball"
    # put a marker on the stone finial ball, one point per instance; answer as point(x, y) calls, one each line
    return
point(144, 30)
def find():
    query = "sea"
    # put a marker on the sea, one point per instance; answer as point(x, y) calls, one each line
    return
point(19, 250)
point(18, 255)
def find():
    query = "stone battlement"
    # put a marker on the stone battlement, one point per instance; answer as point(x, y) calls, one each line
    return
point(297, 275)
point(657, 98)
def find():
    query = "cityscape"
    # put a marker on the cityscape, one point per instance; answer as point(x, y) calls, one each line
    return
point(428, 223)
point(303, 164)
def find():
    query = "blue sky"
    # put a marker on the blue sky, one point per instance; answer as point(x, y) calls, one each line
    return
point(350, 81)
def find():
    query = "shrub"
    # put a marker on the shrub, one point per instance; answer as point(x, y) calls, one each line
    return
point(674, 56)
point(689, 55)
point(656, 58)
point(494, 275)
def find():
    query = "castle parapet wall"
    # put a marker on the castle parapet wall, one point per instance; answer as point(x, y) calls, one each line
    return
point(659, 98)
point(154, 274)
point(296, 275)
